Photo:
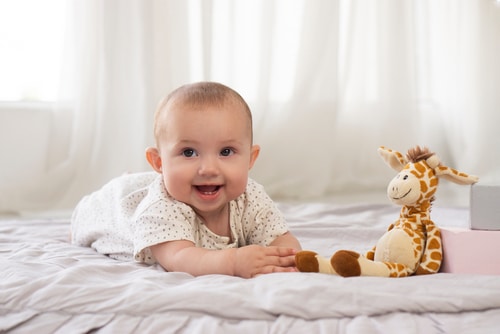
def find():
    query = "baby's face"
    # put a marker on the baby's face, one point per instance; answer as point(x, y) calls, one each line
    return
point(206, 153)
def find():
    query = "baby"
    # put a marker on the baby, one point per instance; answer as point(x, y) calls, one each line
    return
point(199, 213)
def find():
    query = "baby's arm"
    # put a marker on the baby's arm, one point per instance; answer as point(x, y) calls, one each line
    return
point(287, 240)
point(248, 261)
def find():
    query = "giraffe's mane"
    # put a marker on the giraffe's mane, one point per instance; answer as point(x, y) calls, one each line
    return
point(417, 153)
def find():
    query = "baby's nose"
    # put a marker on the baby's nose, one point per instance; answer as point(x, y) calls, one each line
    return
point(209, 166)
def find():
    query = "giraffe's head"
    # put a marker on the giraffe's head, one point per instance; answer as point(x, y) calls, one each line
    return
point(418, 175)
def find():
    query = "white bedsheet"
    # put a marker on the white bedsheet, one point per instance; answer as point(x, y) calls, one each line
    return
point(48, 285)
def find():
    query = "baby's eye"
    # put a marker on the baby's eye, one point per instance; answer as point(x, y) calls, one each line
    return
point(189, 152)
point(226, 152)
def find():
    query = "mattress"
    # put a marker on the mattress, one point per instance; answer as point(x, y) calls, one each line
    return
point(48, 285)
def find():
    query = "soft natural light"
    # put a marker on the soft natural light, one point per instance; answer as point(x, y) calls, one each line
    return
point(286, 39)
point(236, 53)
point(31, 46)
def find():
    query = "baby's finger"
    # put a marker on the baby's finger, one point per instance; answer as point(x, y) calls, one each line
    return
point(279, 261)
point(286, 261)
point(281, 251)
point(278, 269)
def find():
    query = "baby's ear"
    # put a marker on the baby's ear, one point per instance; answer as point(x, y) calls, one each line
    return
point(154, 159)
point(253, 155)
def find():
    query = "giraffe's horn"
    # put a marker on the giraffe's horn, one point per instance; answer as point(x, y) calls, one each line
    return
point(433, 161)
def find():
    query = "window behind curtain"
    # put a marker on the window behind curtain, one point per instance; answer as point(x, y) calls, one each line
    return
point(31, 45)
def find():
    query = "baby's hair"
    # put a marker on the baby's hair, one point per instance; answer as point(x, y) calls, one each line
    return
point(198, 94)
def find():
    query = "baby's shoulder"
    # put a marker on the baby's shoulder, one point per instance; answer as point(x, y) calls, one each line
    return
point(134, 181)
point(255, 192)
point(253, 187)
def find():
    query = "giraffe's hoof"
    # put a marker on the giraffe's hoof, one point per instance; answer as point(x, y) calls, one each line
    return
point(307, 262)
point(346, 263)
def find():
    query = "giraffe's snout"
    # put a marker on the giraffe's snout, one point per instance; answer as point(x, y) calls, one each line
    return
point(403, 189)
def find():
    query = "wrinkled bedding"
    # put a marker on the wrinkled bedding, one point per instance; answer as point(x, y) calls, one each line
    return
point(48, 285)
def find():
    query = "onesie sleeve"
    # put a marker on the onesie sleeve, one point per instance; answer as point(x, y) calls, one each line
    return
point(263, 220)
point(161, 222)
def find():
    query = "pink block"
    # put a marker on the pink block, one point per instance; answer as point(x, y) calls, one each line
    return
point(468, 251)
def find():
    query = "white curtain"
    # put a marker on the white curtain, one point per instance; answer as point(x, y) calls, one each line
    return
point(328, 82)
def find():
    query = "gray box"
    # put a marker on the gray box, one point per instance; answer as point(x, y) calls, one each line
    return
point(485, 207)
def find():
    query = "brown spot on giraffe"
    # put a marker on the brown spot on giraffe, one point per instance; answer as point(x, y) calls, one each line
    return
point(307, 261)
point(420, 168)
point(346, 263)
point(423, 186)
point(436, 256)
point(434, 244)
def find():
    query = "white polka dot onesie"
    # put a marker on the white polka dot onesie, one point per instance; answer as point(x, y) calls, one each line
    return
point(134, 211)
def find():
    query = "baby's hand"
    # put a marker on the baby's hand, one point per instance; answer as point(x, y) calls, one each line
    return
point(254, 260)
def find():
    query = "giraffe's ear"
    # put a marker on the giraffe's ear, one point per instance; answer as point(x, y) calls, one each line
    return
point(455, 176)
point(393, 159)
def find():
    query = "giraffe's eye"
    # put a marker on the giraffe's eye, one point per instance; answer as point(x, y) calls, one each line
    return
point(405, 177)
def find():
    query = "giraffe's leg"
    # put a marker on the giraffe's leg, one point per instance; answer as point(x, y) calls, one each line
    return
point(307, 261)
point(433, 252)
point(349, 263)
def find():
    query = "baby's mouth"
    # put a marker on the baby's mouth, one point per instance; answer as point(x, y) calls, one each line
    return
point(208, 190)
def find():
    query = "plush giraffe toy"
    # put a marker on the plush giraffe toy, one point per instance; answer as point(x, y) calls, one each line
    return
point(412, 244)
